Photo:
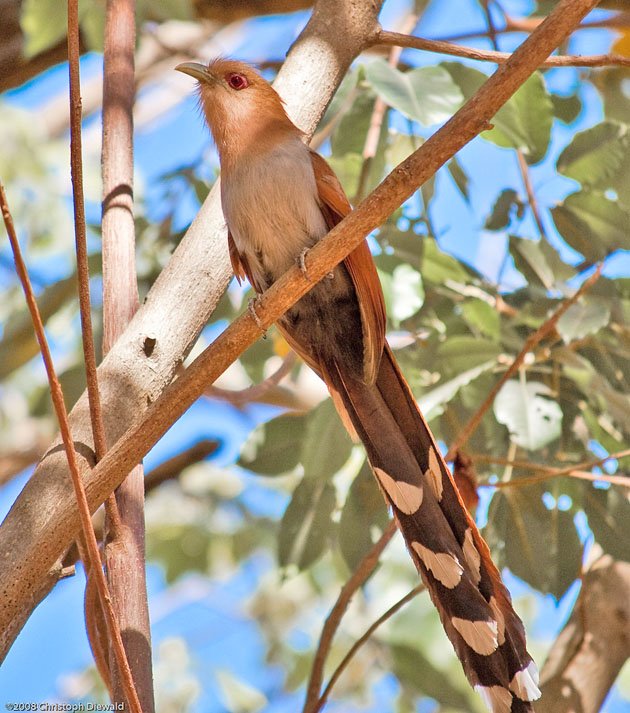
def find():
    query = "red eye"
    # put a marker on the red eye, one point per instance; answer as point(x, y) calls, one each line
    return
point(237, 81)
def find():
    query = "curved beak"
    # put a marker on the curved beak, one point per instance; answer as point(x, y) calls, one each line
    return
point(197, 71)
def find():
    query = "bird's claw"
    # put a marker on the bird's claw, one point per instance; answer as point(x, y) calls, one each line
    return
point(251, 308)
point(302, 264)
point(304, 269)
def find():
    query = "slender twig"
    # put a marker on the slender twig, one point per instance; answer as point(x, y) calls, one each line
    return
point(578, 470)
point(529, 189)
point(448, 47)
point(492, 30)
point(83, 271)
point(361, 641)
point(358, 578)
point(171, 468)
point(93, 616)
point(530, 343)
point(256, 391)
point(529, 24)
point(73, 464)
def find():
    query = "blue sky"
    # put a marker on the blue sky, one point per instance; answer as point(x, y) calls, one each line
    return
point(209, 615)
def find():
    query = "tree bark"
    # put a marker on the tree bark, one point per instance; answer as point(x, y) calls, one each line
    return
point(586, 658)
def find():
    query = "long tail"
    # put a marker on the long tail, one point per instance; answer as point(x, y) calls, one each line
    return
point(442, 538)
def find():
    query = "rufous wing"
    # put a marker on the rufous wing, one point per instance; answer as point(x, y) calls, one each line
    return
point(360, 265)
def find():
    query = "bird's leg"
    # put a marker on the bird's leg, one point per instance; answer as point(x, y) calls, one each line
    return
point(302, 264)
point(304, 269)
point(251, 308)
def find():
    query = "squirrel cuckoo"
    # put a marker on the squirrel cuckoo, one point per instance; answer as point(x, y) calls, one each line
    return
point(279, 198)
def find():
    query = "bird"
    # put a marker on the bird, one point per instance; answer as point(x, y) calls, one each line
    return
point(279, 198)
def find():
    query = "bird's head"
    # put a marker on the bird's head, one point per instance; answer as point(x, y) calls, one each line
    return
point(242, 109)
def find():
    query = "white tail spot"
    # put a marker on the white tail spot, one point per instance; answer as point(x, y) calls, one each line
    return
point(498, 615)
point(472, 556)
point(406, 497)
point(497, 698)
point(444, 567)
point(525, 683)
point(433, 474)
point(481, 635)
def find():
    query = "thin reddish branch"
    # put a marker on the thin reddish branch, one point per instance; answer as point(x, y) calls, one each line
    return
point(94, 559)
point(171, 468)
point(445, 47)
point(352, 651)
point(579, 470)
point(530, 343)
point(529, 24)
point(531, 196)
point(256, 391)
point(358, 578)
point(78, 201)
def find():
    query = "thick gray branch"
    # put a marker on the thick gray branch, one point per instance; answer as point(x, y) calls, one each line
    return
point(587, 656)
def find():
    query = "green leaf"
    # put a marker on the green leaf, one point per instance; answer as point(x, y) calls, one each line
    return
point(348, 170)
point(327, 445)
point(363, 510)
point(181, 548)
point(18, 344)
point(343, 99)
point(582, 318)
point(507, 204)
point(433, 401)
point(482, 317)
point(462, 353)
point(533, 419)
point(592, 224)
point(530, 261)
point(407, 293)
point(427, 94)
point(539, 545)
point(274, 448)
point(93, 26)
point(524, 122)
point(608, 513)
point(567, 109)
point(459, 176)
point(594, 156)
point(44, 24)
point(349, 137)
point(306, 524)
point(438, 267)
point(415, 670)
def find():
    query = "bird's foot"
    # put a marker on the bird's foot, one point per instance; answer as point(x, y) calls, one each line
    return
point(304, 269)
point(251, 308)
point(302, 264)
